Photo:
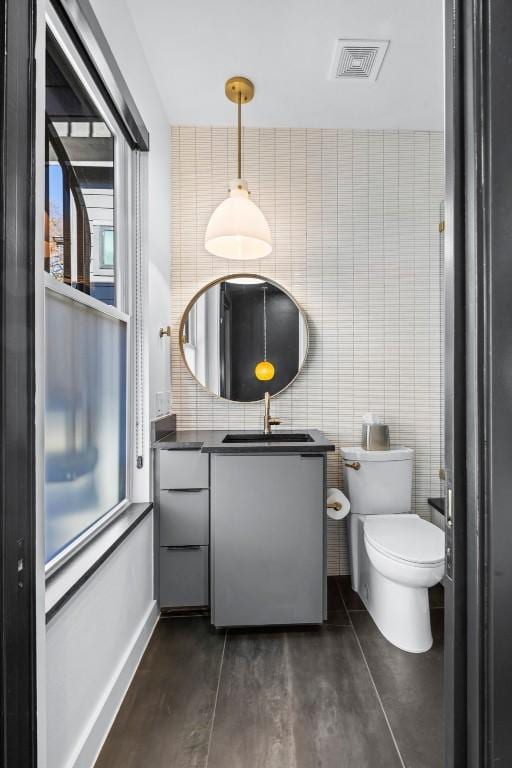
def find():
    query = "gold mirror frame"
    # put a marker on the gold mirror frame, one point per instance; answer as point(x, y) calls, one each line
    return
point(221, 280)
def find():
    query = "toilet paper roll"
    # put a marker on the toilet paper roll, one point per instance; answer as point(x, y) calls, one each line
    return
point(335, 495)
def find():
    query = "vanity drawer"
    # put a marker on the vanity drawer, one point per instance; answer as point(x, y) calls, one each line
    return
point(184, 518)
point(183, 577)
point(184, 469)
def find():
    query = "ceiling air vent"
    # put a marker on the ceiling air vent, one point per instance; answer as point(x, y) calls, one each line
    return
point(358, 59)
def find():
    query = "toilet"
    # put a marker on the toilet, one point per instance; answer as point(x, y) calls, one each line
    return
point(395, 556)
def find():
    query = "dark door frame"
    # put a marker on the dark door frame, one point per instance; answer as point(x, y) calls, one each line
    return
point(455, 653)
point(489, 259)
point(478, 672)
point(17, 388)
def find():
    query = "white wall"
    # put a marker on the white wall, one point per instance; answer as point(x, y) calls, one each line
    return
point(354, 217)
point(90, 649)
point(119, 29)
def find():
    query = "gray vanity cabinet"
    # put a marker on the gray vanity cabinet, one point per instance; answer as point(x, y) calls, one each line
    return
point(267, 526)
point(183, 506)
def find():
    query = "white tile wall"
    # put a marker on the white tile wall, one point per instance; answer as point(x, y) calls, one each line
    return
point(354, 217)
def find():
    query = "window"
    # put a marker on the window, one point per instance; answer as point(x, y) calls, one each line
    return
point(80, 162)
point(85, 418)
point(87, 304)
point(106, 247)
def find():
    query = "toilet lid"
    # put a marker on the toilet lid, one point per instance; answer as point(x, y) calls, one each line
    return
point(406, 537)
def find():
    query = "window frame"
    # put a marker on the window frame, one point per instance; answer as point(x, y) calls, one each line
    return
point(125, 170)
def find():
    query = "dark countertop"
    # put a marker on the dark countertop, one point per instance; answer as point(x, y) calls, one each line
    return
point(437, 504)
point(210, 441)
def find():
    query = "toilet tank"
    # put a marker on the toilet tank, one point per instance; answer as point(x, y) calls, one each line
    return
point(382, 484)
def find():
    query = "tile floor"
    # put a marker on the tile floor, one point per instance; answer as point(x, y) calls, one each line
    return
point(339, 696)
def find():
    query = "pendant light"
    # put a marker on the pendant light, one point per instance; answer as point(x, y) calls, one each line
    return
point(264, 371)
point(237, 228)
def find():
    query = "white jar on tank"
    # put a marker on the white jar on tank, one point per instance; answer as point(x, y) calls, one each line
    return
point(395, 556)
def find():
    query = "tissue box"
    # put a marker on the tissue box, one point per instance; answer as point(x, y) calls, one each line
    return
point(375, 437)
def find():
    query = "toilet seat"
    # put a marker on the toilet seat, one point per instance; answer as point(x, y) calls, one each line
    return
point(406, 538)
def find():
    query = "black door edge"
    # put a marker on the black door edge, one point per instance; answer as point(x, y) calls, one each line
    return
point(17, 389)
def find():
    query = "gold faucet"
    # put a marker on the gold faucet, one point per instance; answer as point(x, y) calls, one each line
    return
point(269, 422)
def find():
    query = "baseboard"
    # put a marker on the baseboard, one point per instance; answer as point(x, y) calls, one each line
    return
point(101, 721)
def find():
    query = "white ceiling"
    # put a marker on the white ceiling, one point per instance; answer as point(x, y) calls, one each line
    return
point(286, 48)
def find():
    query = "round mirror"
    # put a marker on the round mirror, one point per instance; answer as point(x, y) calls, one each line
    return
point(244, 335)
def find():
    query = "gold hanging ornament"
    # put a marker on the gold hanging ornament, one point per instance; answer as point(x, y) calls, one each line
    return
point(264, 371)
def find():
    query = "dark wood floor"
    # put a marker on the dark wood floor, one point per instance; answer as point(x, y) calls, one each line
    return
point(339, 696)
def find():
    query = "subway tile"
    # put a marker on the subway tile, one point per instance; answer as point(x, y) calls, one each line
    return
point(354, 217)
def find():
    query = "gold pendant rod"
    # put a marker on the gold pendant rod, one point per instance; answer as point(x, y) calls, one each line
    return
point(241, 91)
point(239, 134)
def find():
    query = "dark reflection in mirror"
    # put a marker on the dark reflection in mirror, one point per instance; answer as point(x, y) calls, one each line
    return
point(243, 336)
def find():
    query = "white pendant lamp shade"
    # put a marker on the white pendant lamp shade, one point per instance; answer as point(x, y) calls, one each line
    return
point(237, 228)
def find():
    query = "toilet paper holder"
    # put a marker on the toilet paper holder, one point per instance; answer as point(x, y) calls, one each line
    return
point(338, 506)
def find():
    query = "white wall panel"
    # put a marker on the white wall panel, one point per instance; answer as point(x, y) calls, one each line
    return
point(354, 217)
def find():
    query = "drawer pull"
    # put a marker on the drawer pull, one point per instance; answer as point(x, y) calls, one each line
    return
point(185, 490)
point(186, 547)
